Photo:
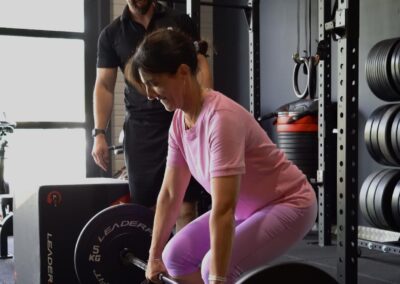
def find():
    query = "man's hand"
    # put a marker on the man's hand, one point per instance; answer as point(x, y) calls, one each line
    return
point(100, 152)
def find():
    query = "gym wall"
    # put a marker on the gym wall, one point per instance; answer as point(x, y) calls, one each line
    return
point(206, 25)
point(278, 40)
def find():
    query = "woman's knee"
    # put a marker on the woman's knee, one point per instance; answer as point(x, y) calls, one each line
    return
point(172, 256)
point(179, 257)
point(205, 267)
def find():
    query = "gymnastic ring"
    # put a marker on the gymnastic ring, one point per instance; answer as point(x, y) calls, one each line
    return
point(305, 92)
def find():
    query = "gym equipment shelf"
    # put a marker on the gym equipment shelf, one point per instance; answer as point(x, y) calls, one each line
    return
point(382, 240)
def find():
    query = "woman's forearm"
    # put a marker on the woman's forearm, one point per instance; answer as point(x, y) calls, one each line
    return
point(222, 232)
point(167, 210)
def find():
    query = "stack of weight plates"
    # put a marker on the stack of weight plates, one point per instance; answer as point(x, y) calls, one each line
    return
point(380, 193)
point(380, 199)
point(382, 69)
point(382, 135)
point(299, 140)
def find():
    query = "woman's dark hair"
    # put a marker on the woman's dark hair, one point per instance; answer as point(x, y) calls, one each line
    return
point(163, 51)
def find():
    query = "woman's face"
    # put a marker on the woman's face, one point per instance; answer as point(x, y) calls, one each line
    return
point(167, 88)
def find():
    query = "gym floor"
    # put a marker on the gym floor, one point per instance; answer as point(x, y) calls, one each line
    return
point(374, 267)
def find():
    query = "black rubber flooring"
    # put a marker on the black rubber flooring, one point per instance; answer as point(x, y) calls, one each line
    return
point(373, 267)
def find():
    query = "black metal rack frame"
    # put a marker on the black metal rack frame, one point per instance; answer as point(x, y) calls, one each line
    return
point(324, 98)
point(345, 28)
point(252, 10)
point(347, 24)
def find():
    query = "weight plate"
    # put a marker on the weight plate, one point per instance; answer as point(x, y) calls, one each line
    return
point(306, 163)
point(297, 135)
point(105, 236)
point(310, 151)
point(378, 63)
point(394, 135)
point(370, 68)
point(375, 151)
point(300, 156)
point(384, 131)
point(386, 80)
point(394, 68)
point(380, 89)
point(396, 206)
point(383, 197)
point(371, 196)
point(284, 273)
point(374, 134)
point(295, 143)
point(378, 70)
point(367, 134)
point(363, 202)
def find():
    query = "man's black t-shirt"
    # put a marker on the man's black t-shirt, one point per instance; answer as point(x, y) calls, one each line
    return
point(147, 122)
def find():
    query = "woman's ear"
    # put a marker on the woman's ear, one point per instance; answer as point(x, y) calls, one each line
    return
point(183, 70)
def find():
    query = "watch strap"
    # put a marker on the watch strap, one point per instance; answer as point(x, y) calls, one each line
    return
point(97, 131)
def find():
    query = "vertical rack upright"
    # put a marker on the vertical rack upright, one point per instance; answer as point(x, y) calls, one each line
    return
point(347, 31)
point(324, 173)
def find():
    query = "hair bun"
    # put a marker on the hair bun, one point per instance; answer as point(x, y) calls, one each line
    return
point(201, 47)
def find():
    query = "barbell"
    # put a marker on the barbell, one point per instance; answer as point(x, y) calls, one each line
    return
point(112, 245)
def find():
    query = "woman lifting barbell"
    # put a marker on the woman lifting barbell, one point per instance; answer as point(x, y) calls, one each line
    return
point(262, 204)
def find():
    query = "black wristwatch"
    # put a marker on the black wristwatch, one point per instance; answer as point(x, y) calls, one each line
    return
point(97, 131)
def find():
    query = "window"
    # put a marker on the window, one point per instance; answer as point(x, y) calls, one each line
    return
point(46, 155)
point(52, 15)
point(42, 79)
point(47, 73)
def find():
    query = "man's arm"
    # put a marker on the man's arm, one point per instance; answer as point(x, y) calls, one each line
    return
point(103, 100)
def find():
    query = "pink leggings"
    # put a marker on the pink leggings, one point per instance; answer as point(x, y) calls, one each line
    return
point(265, 235)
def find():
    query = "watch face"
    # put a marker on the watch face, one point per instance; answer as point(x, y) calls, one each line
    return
point(96, 132)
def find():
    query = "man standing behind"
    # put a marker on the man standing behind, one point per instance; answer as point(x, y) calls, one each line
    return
point(146, 122)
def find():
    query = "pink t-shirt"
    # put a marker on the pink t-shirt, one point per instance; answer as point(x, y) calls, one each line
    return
point(226, 140)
